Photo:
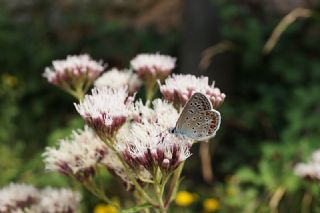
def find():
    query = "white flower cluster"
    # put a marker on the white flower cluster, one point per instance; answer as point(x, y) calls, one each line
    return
point(79, 156)
point(130, 140)
point(310, 170)
point(105, 110)
point(73, 69)
point(16, 198)
point(115, 167)
point(149, 142)
point(163, 113)
point(76, 156)
point(57, 201)
point(179, 88)
point(149, 146)
point(115, 79)
point(153, 65)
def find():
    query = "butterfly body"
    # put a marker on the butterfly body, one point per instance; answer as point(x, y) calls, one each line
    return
point(198, 120)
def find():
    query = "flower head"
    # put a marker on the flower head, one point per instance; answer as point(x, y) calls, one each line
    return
point(163, 113)
point(79, 155)
point(148, 142)
point(105, 110)
point(76, 156)
point(179, 88)
point(73, 73)
point(149, 146)
point(15, 197)
point(116, 168)
point(115, 79)
point(153, 66)
point(58, 201)
point(310, 170)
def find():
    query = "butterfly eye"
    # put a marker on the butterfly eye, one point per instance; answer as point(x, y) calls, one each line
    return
point(172, 130)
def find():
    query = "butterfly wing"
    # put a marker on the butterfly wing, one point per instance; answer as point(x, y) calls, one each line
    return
point(197, 103)
point(198, 120)
point(207, 125)
point(201, 126)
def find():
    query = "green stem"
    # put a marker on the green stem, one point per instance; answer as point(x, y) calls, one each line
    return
point(174, 185)
point(276, 198)
point(151, 89)
point(91, 186)
point(149, 94)
point(78, 93)
point(140, 201)
point(159, 188)
point(306, 200)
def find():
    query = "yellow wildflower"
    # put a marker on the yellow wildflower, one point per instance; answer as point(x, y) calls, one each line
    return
point(211, 205)
point(103, 208)
point(185, 198)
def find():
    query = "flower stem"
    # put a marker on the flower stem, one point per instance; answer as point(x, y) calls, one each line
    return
point(276, 197)
point(159, 188)
point(91, 186)
point(79, 93)
point(174, 185)
point(150, 89)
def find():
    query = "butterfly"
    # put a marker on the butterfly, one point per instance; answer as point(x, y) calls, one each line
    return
point(198, 120)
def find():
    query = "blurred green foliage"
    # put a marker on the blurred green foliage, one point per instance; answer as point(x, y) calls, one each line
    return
point(271, 121)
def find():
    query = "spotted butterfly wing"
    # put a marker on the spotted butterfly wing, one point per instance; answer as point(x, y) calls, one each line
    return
point(197, 103)
point(198, 120)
